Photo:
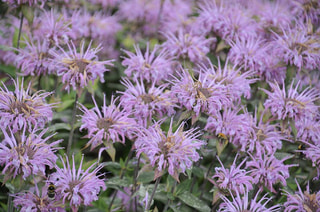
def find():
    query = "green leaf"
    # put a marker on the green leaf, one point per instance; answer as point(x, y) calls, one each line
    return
point(59, 126)
point(221, 144)
point(15, 38)
point(28, 13)
point(189, 199)
point(111, 151)
point(294, 129)
point(281, 155)
point(128, 42)
point(114, 167)
point(183, 186)
point(197, 171)
point(146, 177)
point(116, 182)
point(65, 104)
point(11, 70)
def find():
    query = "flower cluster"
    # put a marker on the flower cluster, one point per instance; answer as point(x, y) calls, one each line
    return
point(27, 154)
point(234, 179)
point(77, 186)
point(172, 151)
point(20, 109)
point(146, 76)
point(79, 68)
point(110, 124)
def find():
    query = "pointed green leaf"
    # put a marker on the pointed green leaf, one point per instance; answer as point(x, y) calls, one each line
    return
point(191, 200)
point(28, 13)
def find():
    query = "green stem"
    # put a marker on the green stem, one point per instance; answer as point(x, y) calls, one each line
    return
point(39, 82)
point(169, 202)
point(135, 184)
point(74, 113)
point(159, 16)
point(194, 177)
point(20, 30)
point(153, 192)
point(205, 180)
point(10, 203)
point(121, 176)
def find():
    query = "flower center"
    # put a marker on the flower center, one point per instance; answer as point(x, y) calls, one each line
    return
point(147, 98)
point(169, 143)
point(78, 65)
point(310, 202)
point(105, 123)
point(261, 136)
point(146, 65)
point(43, 55)
point(18, 107)
point(309, 6)
point(203, 93)
point(301, 47)
point(41, 203)
point(301, 105)
point(24, 151)
point(82, 65)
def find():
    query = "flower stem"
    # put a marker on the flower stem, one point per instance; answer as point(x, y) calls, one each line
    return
point(74, 113)
point(135, 184)
point(153, 192)
point(121, 176)
point(39, 82)
point(20, 30)
point(194, 177)
point(205, 180)
point(10, 203)
point(168, 202)
point(159, 16)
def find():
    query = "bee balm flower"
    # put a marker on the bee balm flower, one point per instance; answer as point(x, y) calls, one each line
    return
point(110, 124)
point(175, 151)
point(19, 108)
point(78, 68)
point(27, 154)
point(78, 186)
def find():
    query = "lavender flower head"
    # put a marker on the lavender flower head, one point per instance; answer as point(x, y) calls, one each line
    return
point(78, 68)
point(26, 154)
point(302, 201)
point(203, 94)
point(33, 200)
point(298, 46)
point(309, 129)
point(19, 108)
point(16, 3)
point(149, 66)
point(34, 59)
point(235, 179)
point(250, 53)
point(145, 103)
point(265, 139)
point(228, 19)
point(233, 83)
point(291, 104)
point(54, 27)
point(188, 45)
point(272, 14)
point(241, 204)
point(312, 152)
point(268, 170)
point(236, 127)
point(110, 124)
point(306, 10)
point(76, 186)
point(175, 151)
